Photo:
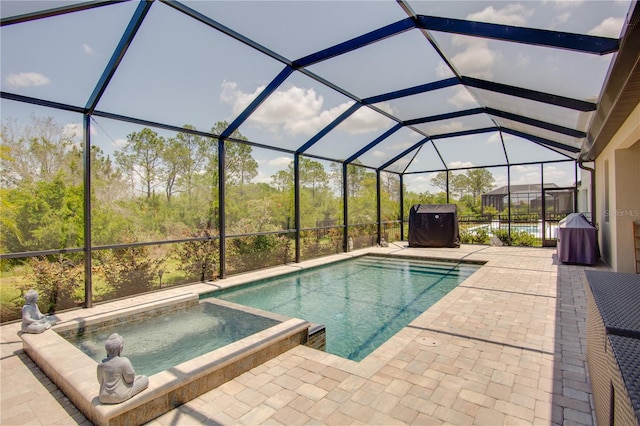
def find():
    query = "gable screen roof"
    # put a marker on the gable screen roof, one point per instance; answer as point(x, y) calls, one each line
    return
point(377, 83)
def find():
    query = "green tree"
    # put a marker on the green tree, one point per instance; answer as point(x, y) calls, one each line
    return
point(317, 201)
point(172, 156)
point(191, 157)
point(240, 167)
point(37, 151)
point(46, 215)
point(458, 186)
point(389, 196)
point(41, 179)
point(474, 183)
point(282, 180)
point(478, 182)
point(362, 195)
point(355, 179)
point(312, 175)
point(109, 220)
point(440, 180)
point(142, 158)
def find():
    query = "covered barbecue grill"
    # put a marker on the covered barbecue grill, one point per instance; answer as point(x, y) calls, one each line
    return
point(577, 241)
point(433, 225)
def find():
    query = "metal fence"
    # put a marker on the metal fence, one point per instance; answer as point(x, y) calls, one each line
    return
point(519, 229)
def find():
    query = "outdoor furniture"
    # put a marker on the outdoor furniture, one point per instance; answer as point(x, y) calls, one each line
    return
point(636, 245)
point(613, 346)
point(577, 242)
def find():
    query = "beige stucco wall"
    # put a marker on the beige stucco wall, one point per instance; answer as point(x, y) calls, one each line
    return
point(614, 221)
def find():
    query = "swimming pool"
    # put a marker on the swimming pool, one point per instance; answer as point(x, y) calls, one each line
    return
point(362, 301)
point(534, 229)
point(160, 342)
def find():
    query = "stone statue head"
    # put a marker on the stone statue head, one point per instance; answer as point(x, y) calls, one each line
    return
point(31, 296)
point(114, 344)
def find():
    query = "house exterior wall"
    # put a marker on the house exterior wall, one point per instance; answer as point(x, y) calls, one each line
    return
point(618, 194)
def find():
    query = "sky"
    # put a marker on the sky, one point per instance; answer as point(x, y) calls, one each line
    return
point(178, 71)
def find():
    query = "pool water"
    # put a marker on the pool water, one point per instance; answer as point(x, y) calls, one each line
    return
point(362, 301)
point(534, 229)
point(163, 341)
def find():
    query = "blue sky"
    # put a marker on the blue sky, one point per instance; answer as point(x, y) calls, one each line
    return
point(180, 72)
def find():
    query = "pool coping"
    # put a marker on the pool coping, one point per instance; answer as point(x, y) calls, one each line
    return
point(74, 372)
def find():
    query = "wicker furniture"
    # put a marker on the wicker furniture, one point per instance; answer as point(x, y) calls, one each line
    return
point(613, 346)
point(636, 245)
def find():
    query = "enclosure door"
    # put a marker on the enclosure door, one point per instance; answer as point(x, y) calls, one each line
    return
point(557, 203)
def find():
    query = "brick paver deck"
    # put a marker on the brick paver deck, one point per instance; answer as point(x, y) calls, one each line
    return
point(507, 346)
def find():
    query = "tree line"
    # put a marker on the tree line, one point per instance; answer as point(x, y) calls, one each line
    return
point(153, 187)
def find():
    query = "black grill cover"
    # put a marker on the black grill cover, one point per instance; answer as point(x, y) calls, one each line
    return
point(577, 242)
point(433, 225)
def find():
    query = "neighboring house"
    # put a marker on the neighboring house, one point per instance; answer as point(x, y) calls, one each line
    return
point(528, 198)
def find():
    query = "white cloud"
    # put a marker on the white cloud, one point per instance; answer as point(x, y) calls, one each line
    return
point(462, 98)
point(289, 111)
point(262, 177)
point(26, 79)
point(458, 164)
point(312, 125)
point(610, 27)
point(403, 145)
point(475, 57)
point(88, 49)
point(525, 169)
point(511, 14)
point(442, 70)
point(236, 98)
point(421, 182)
point(448, 127)
point(72, 131)
point(499, 181)
point(365, 120)
point(494, 138)
point(295, 101)
point(560, 19)
point(558, 176)
point(280, 162)
point(521, 175)
point(121, 143)
point(566, 4)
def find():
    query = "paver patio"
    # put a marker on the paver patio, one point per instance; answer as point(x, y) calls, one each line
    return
point(507, 346)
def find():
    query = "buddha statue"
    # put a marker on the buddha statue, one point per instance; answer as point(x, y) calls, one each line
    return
point(118, 381)
point(33, 321)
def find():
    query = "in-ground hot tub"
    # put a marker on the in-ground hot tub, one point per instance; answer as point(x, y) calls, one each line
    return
point(74, 371)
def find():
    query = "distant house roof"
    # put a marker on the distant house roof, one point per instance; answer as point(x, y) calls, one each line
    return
point(520, 189)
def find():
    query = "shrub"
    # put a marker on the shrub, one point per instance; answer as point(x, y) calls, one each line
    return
point(503, 236)
point(476, 236)
point(523, 238)
point(129, 270)
point(199, 259)
point(517, 238)
point(56, 279)
point(258, 251)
